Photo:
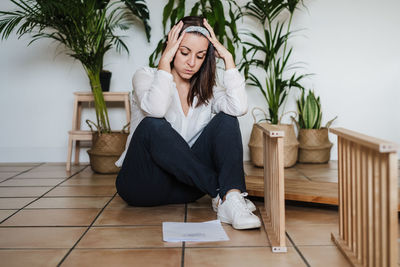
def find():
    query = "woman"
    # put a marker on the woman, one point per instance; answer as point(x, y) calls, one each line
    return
point(177, 151)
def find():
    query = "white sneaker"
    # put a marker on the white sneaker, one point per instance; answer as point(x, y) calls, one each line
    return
point(216, 201)
point(235, 211)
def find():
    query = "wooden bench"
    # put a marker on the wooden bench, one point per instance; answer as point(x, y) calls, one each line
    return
point(368, 193)
point(273, 213)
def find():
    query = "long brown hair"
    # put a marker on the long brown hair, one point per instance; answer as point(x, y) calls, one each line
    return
point(203, 81)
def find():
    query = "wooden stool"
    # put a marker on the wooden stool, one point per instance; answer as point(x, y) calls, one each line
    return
point(76, 134)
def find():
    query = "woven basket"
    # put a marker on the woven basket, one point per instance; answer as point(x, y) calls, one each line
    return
point(103, 163)
point(315, 146)
point(290, 142)
point(106, 150)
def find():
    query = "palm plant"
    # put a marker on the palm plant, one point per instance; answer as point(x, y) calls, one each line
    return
point(86, 28)
point(213, 11)
point(270, 53)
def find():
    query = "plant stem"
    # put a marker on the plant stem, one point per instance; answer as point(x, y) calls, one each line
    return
point(100, 104)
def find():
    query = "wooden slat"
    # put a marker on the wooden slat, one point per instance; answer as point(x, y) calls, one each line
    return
point(273, 214)
point(370, 201)
point(377, 144)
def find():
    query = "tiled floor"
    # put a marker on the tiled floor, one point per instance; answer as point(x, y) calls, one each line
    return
point(49, 217)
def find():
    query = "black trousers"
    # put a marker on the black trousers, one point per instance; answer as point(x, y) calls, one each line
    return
point(161, 168)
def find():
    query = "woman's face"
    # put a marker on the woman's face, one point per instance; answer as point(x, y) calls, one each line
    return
point(190, 55)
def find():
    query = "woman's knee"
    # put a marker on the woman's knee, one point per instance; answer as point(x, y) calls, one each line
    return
point(226, 121)
point(149, 125)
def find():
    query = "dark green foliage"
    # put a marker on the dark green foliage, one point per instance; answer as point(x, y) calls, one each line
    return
point(269, 52)
point(86, 28)
point(213, 10)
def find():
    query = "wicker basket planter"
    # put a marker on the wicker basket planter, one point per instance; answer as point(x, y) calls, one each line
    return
point(314, 146)
point(105, 151)
point(290, 145)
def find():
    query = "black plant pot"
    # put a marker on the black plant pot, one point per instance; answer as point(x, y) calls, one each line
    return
point(105, 78)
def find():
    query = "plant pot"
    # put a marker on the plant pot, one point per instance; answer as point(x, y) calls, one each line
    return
point(105, 79)
point(314, 146)
point(105, 151)
point(290, 146)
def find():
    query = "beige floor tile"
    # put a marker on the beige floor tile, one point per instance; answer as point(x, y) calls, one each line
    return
point(204, 202)
point(69, 202)
point(14, 164)
point(80, 191)
point(14, 203)
point(45, 174)
point(88, 173)
point(248, 257)
point(60, 166)
point(296, 215)
point(15, 168)
point(32, 258)
point(118, 203)
point(170, 257)
point(39, 237)
point(201, 214)
point(142, 215)
point(327, 256)
point(5, 213)
point(312, 234)
point(31, 182)
point(237, 238)
point(125, 237)
point(23, 191)
point(6, 175)
point(89, 181)
point(52, 217)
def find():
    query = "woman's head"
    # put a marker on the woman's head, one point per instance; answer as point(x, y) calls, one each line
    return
point(195, 60)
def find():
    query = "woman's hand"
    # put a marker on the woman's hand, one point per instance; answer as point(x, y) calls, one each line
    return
point(173, 43)
point(221, 51)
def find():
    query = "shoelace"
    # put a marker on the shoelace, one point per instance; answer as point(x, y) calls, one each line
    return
point(240, 204)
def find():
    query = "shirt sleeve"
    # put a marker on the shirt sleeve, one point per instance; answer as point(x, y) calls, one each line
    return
point(153, 89)
point(232, 99)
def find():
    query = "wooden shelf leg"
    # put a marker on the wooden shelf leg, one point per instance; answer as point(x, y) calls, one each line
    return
point(70, 143)
point(77, 151)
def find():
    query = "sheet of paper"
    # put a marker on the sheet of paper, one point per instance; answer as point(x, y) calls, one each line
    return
point(196, 232)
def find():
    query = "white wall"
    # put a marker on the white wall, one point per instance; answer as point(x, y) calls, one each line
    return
point(350, 46)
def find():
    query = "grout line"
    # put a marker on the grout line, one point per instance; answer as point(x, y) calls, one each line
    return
point(40, 164)
point(84, 233)
point(37, 198)
point(184, 243)
point(298, 250)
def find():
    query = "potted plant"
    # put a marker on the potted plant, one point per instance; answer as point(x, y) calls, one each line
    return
point(314, 144)
point(270, 53)
point(87, 29)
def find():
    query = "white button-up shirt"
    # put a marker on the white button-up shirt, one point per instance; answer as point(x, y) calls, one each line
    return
point(155, 95)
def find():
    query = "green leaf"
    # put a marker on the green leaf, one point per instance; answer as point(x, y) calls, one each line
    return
point(167, 12)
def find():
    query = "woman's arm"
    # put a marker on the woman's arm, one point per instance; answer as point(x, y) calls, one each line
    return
point(232, 98)
point(153, 91)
